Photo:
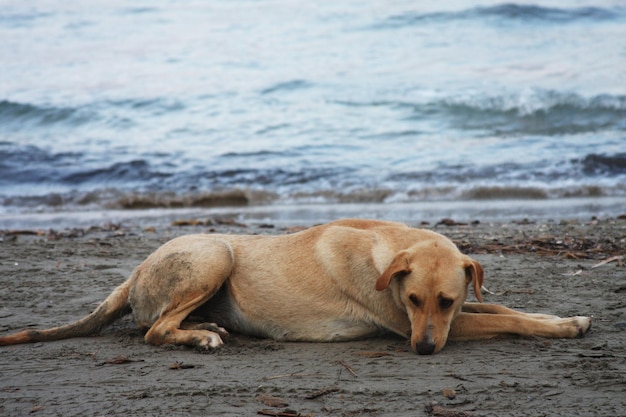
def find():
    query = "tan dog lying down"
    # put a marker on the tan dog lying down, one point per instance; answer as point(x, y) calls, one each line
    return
point(345, 280)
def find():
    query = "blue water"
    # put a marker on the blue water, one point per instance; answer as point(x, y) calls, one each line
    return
point(111, 105)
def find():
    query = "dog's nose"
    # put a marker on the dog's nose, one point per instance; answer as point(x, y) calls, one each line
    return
point(425, 348)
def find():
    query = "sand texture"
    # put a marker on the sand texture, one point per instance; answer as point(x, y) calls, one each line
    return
point(53, 277)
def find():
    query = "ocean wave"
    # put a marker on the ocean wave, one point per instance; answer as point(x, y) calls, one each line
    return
point(257, 154)
point(264, 177)
point(506, 13)
point(22, 165)
point(544, 116)
point(526, 12)
point(603, 165)
point(116, 199)
point(287, 86)
point(137, 10)
point(548, 173)
point(543, 112)
point(129, 172)
point(30, 167)
point(114, 113)
point(18, 114)
point(155, 106)
point(18, 20)
point(29, 164)
point(539, 112)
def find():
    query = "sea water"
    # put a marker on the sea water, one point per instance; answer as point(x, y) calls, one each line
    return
point(312, 110)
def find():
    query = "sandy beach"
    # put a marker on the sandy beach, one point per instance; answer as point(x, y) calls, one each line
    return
point(52, 277)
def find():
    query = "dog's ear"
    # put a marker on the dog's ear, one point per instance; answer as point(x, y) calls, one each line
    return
point(474, 273)
point(398, 267)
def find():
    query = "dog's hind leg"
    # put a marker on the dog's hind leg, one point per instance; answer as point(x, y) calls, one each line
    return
point(173, 282)
point(168, 329)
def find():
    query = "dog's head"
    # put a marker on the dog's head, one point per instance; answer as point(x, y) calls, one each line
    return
point(430, 279)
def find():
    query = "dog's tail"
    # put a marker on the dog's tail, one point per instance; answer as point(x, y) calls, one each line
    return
point(113, 307)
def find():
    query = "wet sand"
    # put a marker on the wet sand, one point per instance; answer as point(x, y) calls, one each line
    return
point(49, 278)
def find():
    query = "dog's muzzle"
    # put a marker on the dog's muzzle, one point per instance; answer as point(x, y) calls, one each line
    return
point(426, 346)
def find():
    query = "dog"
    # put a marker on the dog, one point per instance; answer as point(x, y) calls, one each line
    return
point(346, 280)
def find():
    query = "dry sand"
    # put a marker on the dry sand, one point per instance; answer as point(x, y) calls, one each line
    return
point(56, 277)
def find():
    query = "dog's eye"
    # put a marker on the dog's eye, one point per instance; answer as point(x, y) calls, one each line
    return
point(445, 303)
point(416, 301)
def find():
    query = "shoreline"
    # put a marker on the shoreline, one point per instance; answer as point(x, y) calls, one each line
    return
point(578, 208)
point(54, 277)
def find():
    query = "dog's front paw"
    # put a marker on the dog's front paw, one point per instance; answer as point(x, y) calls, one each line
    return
point(211, 340)
point(583, 324)
point(571, 327)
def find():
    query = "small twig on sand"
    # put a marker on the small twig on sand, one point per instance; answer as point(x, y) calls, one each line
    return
point(345, 365)
point(619, 259)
